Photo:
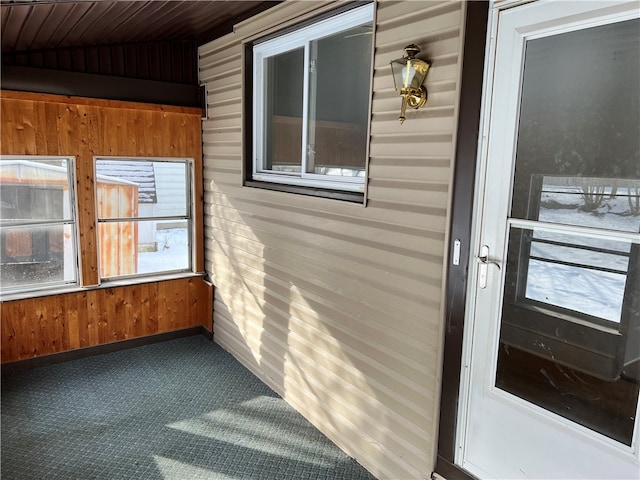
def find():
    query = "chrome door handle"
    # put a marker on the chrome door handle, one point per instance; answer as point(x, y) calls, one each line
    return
point(483, 260)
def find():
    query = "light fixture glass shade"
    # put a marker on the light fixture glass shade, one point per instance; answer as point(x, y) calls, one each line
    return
point(409, 72)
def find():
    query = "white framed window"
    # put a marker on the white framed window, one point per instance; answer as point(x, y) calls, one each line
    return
point(38, 229)
point(144, 216)
point(311, 96)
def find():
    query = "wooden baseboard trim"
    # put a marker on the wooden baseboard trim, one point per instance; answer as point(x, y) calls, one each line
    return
point(207, 333)
point(45, 360)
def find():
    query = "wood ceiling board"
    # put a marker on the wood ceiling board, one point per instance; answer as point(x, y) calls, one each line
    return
point(47, 25)
point(13, 22)
point(73, 21)
point(42, 25)
point(93, 12)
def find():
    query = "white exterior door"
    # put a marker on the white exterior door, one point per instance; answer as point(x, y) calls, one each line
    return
point(551, 371)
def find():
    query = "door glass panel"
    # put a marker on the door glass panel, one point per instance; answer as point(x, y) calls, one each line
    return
point(570, 328)
point(583, 274)
point(579, 122)
point(610, 203)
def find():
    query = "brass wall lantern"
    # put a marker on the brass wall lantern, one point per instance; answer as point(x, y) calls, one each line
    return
point(408, 74)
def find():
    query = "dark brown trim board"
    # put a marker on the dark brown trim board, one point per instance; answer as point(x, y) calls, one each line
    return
point(59, 82)
point(449, 471)
point(464, 181)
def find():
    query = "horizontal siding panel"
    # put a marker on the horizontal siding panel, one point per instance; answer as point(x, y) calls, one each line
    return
point(394, 12)
point(337, 306)
point(315, 413)
point(370, 325)
point(223, 95)
point(220, 45)
point(231, 133)
point(381, 269)
point(393, 217)
point(431, 18)
point(341, 346)
point(338, 398)
point(377, 169)
point(222, 149)
point(226, 109)
point(381, 148)
point(370, 377)
point(225, 79)
point(385, 239)
point(223, 60)
point(392, 262)
point(231, 122)
point(392, 126)
point(413, 320)
point(220, 90)
point(405, 259)
point(222, 139)
point(303, 359)
point(353, 302)
point(222, 79)
point(420, 197)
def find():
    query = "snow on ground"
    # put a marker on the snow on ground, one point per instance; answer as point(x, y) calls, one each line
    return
point(172, 253)
point(580, 289)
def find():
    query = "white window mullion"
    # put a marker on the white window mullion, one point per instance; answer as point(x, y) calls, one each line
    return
point(305, 108)
point(258, 114)
point(313, 103)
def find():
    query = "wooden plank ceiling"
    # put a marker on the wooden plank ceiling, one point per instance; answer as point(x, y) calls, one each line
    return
point(35, 25)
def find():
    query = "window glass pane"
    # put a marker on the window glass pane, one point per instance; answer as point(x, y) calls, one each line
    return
point(131, 188)
point(283, 109)
point(579, 128)
point(579, 274)
point(139, 247)
point(35, 190)
point(158, 194)
point(34, 256)
point(172, 249)
point(339, 102)
point(609, 203)
point(37, 256)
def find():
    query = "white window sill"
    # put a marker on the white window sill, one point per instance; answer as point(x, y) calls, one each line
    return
point(353, 184)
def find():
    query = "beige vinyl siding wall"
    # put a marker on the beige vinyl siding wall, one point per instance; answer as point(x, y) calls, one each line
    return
point(338, 306)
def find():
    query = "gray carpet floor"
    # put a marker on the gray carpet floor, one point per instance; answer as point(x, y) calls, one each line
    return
point(182, 409)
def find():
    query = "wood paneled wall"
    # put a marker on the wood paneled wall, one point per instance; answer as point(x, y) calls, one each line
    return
point(58, 323)
point(40, 124)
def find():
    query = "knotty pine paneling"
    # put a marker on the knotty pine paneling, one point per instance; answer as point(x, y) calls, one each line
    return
point(40, 124)
point(45, 325)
